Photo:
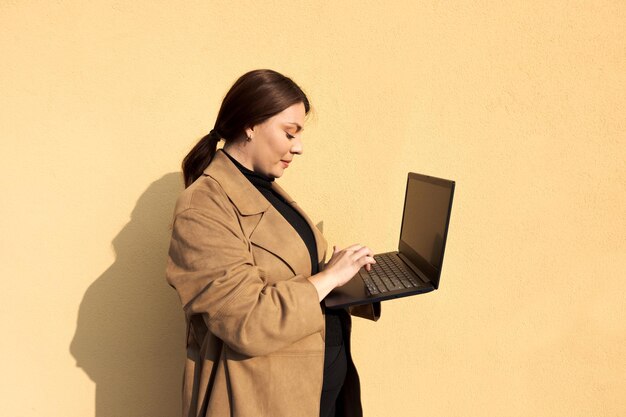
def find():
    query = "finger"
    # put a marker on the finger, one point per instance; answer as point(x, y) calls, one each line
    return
point(366, 261)
point(354, 247)
point(364, 251)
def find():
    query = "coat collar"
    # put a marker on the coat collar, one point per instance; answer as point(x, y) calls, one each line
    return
point(264, 225)
point(244, 195)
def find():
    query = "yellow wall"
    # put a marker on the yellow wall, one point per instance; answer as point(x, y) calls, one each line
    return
point(522, 103)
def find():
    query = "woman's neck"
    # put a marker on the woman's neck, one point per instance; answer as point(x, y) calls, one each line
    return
point(239, 156)
point(251, 174)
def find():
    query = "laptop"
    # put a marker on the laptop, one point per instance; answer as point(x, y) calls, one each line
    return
point(415, 268)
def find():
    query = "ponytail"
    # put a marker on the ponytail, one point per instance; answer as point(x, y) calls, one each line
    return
point(199, 157)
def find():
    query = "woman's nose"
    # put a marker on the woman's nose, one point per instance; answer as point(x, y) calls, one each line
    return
point(297, 147)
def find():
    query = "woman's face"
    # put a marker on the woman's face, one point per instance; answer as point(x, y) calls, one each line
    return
point(276, 141)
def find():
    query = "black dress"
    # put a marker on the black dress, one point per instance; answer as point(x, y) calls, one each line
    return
point(335, 358)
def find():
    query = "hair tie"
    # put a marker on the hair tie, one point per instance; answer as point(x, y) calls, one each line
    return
point(214, 135)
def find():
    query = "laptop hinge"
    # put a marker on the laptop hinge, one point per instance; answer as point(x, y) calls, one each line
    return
point(408, 263)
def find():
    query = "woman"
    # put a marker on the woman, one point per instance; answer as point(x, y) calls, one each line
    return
point(249, 267)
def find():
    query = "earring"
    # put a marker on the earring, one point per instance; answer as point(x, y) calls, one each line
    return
point(249, 139)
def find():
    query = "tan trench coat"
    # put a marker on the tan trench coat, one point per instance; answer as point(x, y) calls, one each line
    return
point(255, 327)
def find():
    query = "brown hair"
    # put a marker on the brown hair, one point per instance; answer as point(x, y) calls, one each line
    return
point(254, 97)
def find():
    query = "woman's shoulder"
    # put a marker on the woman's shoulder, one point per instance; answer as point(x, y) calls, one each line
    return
point(204, 195)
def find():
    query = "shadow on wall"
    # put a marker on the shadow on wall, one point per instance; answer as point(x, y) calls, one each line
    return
point(131, 328)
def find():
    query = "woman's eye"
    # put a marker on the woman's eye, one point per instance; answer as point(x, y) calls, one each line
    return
point(289, 136)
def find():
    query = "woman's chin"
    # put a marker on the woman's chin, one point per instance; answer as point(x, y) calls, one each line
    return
point(277, 173)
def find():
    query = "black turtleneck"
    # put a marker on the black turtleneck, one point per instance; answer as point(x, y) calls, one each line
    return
point(263, 183)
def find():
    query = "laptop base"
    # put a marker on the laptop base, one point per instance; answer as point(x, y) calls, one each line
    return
point(354, 292)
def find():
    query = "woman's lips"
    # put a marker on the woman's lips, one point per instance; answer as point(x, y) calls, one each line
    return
point(285, 163)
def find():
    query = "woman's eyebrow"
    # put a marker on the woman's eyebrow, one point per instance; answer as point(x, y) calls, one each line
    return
point(299, 127)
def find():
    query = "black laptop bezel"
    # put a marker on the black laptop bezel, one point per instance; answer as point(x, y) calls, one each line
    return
point(428, 270)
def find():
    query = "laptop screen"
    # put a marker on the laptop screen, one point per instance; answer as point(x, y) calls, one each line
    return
point(427, 206)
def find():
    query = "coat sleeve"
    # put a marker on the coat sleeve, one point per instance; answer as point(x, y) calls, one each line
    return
point(213, 271)
point(369, 311)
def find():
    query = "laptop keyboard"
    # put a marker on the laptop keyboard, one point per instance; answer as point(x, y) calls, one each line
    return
point(387, 275)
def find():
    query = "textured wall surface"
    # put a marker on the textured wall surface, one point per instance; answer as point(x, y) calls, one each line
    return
point(521, 103)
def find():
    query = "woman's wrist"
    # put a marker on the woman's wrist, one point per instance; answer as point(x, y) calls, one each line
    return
point(324, 283)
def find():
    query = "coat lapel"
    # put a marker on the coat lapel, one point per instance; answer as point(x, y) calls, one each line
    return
point(320, 241)
point(276, 235)
point(261, 222)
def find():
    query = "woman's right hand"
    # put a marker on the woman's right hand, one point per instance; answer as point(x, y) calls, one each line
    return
point(342, 266)
point(345, 263)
